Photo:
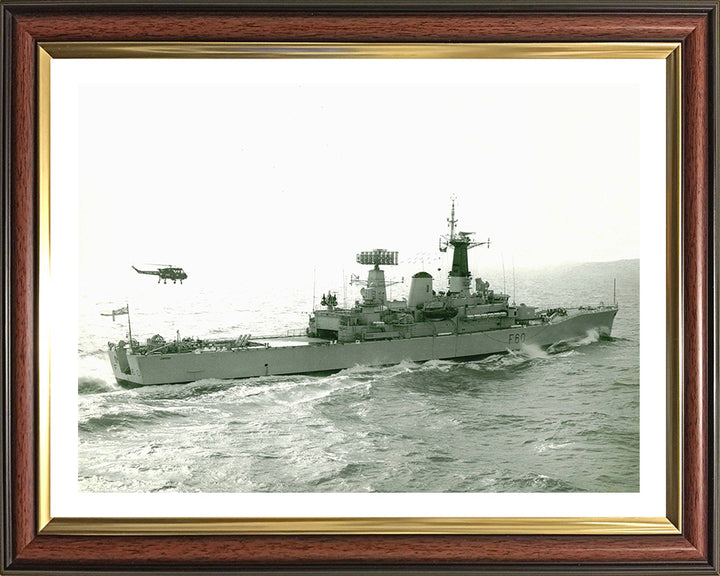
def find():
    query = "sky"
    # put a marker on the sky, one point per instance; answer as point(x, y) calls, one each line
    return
point(281, 171)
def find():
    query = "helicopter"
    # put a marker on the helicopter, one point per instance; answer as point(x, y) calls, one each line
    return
point(165, 272)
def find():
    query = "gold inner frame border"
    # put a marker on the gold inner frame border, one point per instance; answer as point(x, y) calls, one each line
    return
point(670, 524)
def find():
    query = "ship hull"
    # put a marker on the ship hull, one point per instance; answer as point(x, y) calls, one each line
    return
point(139, 370)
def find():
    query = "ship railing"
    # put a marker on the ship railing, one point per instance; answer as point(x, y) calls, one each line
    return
point(336, 311)
point(288, 334)
point(297, 332)
point(552, 311)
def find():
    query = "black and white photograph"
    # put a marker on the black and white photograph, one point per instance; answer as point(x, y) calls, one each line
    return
point(360, 276)
point(359, 286)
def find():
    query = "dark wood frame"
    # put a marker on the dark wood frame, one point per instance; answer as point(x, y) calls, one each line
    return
point(26, 23)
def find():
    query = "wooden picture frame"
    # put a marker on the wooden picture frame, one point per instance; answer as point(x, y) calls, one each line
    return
point(30, 545)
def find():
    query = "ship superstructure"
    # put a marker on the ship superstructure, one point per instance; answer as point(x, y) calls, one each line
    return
point(461, 322)
point(426, 312)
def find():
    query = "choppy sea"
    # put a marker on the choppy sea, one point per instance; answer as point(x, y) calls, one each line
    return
point(564, 419)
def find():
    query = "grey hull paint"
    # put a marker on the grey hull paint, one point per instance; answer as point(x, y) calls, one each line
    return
point(328, 357)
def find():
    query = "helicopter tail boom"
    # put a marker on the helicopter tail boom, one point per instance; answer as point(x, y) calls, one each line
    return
point(151, 272)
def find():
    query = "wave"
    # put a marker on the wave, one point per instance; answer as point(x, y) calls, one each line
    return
point(127, 419)
point(550, 446)
point(96, 353)
point(223, 389)
point(439, 365)
point(534, 482)
point(373, 371)
point(512, 359)
point(91, 385)
point(591, 337)
point(190, 390)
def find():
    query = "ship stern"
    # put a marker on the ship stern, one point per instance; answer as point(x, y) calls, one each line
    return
point(122, 371)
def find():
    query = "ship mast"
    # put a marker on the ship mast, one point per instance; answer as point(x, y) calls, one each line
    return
point(452, 221)
point(127, 307)
point(459, 277)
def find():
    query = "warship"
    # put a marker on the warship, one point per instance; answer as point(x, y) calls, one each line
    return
point(462, 322)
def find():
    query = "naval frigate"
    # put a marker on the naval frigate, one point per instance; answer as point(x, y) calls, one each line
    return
point(462, 322)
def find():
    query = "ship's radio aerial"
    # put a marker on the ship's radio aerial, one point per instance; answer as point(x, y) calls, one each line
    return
point(165, 272)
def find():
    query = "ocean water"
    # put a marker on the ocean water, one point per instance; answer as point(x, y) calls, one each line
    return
point(564, 419)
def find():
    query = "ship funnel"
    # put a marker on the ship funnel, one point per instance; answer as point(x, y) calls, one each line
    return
point(421, 289)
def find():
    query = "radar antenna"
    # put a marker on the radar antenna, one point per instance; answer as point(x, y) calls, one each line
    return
point(377, 257)
point(375, 293)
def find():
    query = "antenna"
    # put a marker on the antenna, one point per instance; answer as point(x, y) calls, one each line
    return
point(344, 288)
point(614, 291)
point(313, 302)
point(376, 291)
point(502, 256)
point(127, 306)
point(513, 263)
point(377, 257)
point(452, 221)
